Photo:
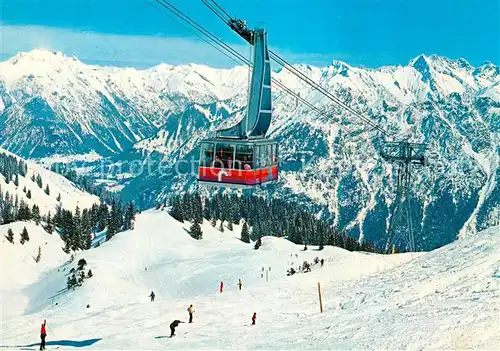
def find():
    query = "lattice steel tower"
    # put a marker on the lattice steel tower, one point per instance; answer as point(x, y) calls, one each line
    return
point(404, 155)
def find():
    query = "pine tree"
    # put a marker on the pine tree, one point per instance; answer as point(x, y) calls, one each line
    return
point(24, 236)
point(221, 227)
point(16, 179)
point(69, 283)
point(321, 241)
point(47, 190)
point(35, 214)
point(213, 222)
point(8, 209)
point(58, 199)
point(81, 263)
point(39, 181)
point(102, 217)
point(81, 278)
point(207, 213)
point(89, 274)
point(129, 216)
point(195, 231)
point(197, 208)
point(115, 220)
point(10, 236)
point(68, 231)
point(176, 209)
point(86, 228)
point(50, 224)
point(28, 194)
point(245, 234)
point(24, 213)
point(230, 225)
point(39, 255)
point(258, 244)
point(24, 189)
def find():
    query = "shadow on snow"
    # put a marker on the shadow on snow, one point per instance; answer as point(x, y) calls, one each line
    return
point(72, 343)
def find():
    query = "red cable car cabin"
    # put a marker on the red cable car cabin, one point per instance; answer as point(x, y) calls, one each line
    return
point(241, 155)
point(238, 163)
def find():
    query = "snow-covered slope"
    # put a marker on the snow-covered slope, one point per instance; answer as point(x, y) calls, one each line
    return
point(70, 195)
point(18, 269)
point(447, 298)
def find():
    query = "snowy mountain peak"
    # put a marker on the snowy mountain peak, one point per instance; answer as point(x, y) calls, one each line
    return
point(422, 64)
point(339, 64)
point(42, 55)
point(338, 67)
point(487, 71)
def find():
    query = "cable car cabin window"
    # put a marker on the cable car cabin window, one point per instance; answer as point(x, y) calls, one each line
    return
point(269, 155)
point(244, 157)
point(224, 156)
point(207, 154)
point(274, 159)
point(263, 156)
point(256, 158)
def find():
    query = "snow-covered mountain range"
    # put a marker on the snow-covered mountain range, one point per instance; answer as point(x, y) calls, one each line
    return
point(51, 104)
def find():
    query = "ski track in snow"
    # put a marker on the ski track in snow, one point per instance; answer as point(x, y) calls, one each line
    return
point(444, 299)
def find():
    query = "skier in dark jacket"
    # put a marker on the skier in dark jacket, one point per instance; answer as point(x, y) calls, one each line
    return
point(254, 318)
point(152, 296)
point(190, 311)
point(174, 325)
point(322, 262)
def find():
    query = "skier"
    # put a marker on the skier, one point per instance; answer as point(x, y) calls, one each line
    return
point(190, 311)
point(152, 296)
point(221, 287)
point(254, 318)
point(322, 262)
point(43, 334)
point(174, 325)
point(240, 283)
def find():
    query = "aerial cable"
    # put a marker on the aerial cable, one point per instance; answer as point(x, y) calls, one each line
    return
point(217, 13)
point(225, 49)
point(320, 89)
point(201, 29)
point(220, 8)
point(192, 31)
point(299, 74)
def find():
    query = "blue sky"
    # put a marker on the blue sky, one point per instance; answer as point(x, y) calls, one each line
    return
point(361, 32)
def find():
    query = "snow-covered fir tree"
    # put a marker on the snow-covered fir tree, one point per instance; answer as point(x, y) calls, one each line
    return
point(245, 234)
point(195, 231)
point(10, 236)
point(24, 236)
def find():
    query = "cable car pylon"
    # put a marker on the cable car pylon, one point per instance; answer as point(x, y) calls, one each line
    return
point(404, 155)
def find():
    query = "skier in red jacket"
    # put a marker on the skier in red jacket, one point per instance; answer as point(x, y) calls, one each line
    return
point(254, 318)
point(221, 287)
point(43, 334)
